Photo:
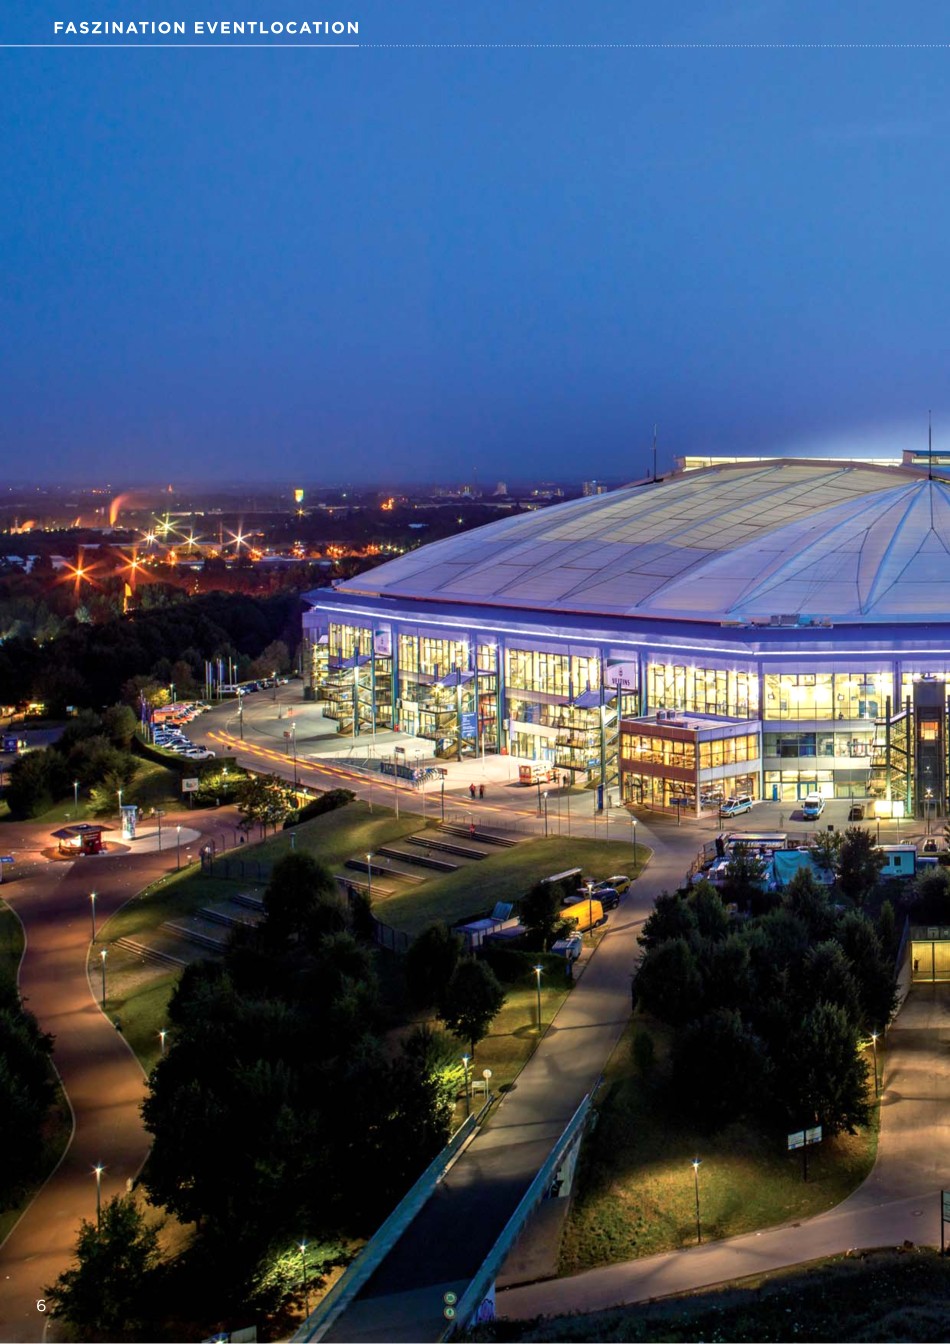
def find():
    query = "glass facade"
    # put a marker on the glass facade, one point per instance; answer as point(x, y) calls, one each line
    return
point(703, 690)
point(818, 728)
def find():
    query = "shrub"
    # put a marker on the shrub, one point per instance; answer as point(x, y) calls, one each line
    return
point(325, 802)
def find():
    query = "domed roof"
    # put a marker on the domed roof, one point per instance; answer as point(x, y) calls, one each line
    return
point(844, 541)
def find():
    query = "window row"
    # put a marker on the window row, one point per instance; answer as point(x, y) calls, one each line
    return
point(703, 690)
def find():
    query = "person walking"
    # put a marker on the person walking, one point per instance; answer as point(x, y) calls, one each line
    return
point(471, 790)
point(481, 790)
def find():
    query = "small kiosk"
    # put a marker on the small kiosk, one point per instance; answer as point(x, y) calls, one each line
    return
point(75, 841)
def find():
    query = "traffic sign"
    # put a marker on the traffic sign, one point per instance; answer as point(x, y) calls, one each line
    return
point(6, 858)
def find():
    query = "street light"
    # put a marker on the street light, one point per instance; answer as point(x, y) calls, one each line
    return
point(468, 1097)
point(590, 908)
point(699, 1230)
point(161, 1036)
point(545, 797)
point(303, 1249)
point(178, 842)
point(633, 821)
point(75, 792)
point(119, 792)
point(103, 955)
point(274, 675)
point(98, 1169)
point(537, 972)
point(369, 878)
point(92, 904)
point(539, 797)
point(241, 716)
point(877, 1090)
point(293, 738)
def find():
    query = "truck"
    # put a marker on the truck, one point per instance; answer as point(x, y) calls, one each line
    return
point(813, 806)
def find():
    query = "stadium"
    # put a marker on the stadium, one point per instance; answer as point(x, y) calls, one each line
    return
point(776, 627)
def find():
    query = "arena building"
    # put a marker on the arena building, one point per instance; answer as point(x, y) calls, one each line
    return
point(772, 627)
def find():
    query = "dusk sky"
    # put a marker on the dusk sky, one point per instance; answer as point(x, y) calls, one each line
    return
point(414, 262)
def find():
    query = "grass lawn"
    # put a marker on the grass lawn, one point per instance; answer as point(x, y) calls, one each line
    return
point(636, 1192)
point(153, 784)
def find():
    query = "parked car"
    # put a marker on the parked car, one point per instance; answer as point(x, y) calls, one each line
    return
point(856, 812)
point(609, 897)
point(732, 807)
point(620, 882)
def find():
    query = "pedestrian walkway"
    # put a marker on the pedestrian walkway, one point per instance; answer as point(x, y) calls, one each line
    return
point(898, 1202)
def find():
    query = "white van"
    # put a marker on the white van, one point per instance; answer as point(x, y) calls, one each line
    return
point(813, 806)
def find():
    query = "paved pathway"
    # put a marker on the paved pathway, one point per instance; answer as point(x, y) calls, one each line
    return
point(898, 1202)
point(102, 1078)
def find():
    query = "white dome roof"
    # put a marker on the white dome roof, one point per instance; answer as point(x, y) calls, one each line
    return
point(840, 541)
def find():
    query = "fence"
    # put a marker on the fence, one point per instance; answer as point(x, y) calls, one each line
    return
point(233, 869)
point(394, 940)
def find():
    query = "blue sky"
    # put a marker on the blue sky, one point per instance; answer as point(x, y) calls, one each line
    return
point(420, 261)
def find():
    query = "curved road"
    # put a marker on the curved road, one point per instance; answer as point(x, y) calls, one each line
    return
point(102, 1078)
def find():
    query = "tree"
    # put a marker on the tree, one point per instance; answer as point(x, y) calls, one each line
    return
point(36, 781)
point(540, 912)
point(859, 864)
point(105, 1295)
point(712, 917)
point(671, 917)
point(430, 964)
point(807, 899)
point(264, 800)
point(119, 724)
point(668, 982)
point(302, 899)
point(826, 850)
point(930, 896)
point(720, 1068)
point(873, 969)
point(822, 1077)
point(744, 877)
point(472, 1000)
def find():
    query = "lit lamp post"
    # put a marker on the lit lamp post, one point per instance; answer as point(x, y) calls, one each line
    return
point(468, 1097)
point(590, 908)
point(369, 878)
point(178, 843)
point(274, 676)
point(241, 716)
point(119, 792)
point(161, 1036)
point(103, 956)
point(537, 973)
point(539, 797)
point(98, 1169)
point(699, 1230)
point(633, 821)
point(75, 792)
point(303, 1259)
point(92, 906)
point(293, 739)
point(877, 1090)
point(545, 797)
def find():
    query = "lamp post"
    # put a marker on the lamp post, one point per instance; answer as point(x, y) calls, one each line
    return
point(539, 797)
point(545, 797)
point(103, 956)
point(699, 1230)
point(75, 793)
point(369, 878)
point(293, 738)
point(590, 908)
point(92, 906)
point(442, 800)
point(274, 675)
point(98, 1169)
point(178, 843)
point(396, 790)
point(161, 1036)
point(537, 974)
point(633, 822)
point(877, 1090)
point(119, 792)
point(468, 1096)
point(241, 716)
point(303, 1262)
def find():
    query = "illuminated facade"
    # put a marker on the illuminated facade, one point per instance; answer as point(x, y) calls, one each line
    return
point(794, 615)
